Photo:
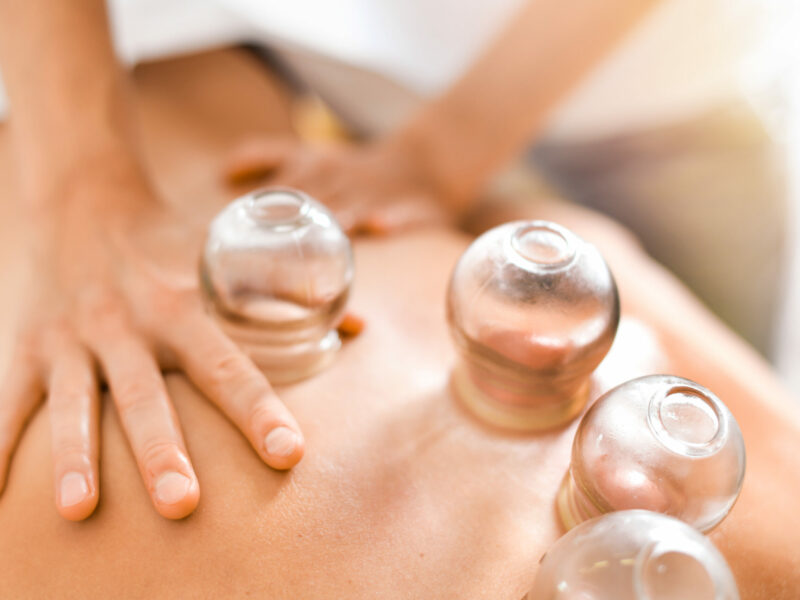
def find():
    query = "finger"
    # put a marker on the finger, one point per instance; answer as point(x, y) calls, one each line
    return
point(301, 174)
point(315, 171)
point(390, 217)
point(230, 379)
point(318, 186)
point(74, 407)
point(350, 219)
point(150, 423)
point(256, 159)
point(21, 394)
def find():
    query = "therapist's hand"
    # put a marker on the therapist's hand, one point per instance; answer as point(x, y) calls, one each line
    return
point(113, 298)
point(372, 188)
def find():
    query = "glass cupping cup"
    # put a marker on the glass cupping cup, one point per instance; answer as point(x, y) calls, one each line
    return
point(661, 443)
point(633, 555)
point(533, 309)
point(276, 271)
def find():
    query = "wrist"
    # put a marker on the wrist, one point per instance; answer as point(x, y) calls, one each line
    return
point(65, 156)
point(69, 178)
point(72, 130)
point(422, 150)
point(94, 199)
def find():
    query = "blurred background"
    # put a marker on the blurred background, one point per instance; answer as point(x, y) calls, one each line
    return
point(772, 74)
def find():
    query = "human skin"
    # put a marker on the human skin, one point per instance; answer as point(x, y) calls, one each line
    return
point(110, 295)
point(401, 494)
point(435, 165)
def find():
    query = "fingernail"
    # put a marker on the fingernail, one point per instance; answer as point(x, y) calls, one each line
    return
point(74, 488)
point(281, 441)
point(172, 487)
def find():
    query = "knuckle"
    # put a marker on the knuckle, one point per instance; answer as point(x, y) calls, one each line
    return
point(165, 307)
point(134, 395)
point(166, 301)
point(68, 400)
point(100, 306)
point(99, 299)
point(158, 452)
point(71, 448)
point(59, 343)
point(60, 329)
point(261, 413)
point(229, 368)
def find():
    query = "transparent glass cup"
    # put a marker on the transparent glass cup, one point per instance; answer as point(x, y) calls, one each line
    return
point(276, 272)
point(660, 443)
point(633, 555)
point(533, 309)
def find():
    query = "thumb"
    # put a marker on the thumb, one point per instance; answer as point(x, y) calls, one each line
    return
point(406, 213)
point(257, 158)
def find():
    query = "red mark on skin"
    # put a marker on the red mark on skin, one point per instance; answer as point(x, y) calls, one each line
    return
point(351, 326)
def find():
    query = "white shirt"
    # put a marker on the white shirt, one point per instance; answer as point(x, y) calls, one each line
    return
point(375, 60)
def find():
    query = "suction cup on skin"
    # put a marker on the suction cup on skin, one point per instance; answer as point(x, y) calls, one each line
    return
point(276, 271)
point(661, 443)
point(633, 555)
point(533, 309)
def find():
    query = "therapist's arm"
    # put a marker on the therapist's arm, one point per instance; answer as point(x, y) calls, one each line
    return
point(112, 294)
point(452, 146)
point(503, 101)
point(69, 106)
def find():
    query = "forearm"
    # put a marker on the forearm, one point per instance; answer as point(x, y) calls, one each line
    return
point(68, 98)
point(488, 116)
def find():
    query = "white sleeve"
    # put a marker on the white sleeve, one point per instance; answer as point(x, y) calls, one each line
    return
point(148, 29)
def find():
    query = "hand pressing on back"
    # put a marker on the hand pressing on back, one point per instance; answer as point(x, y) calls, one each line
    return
point(113, 299)
point(372, 188)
